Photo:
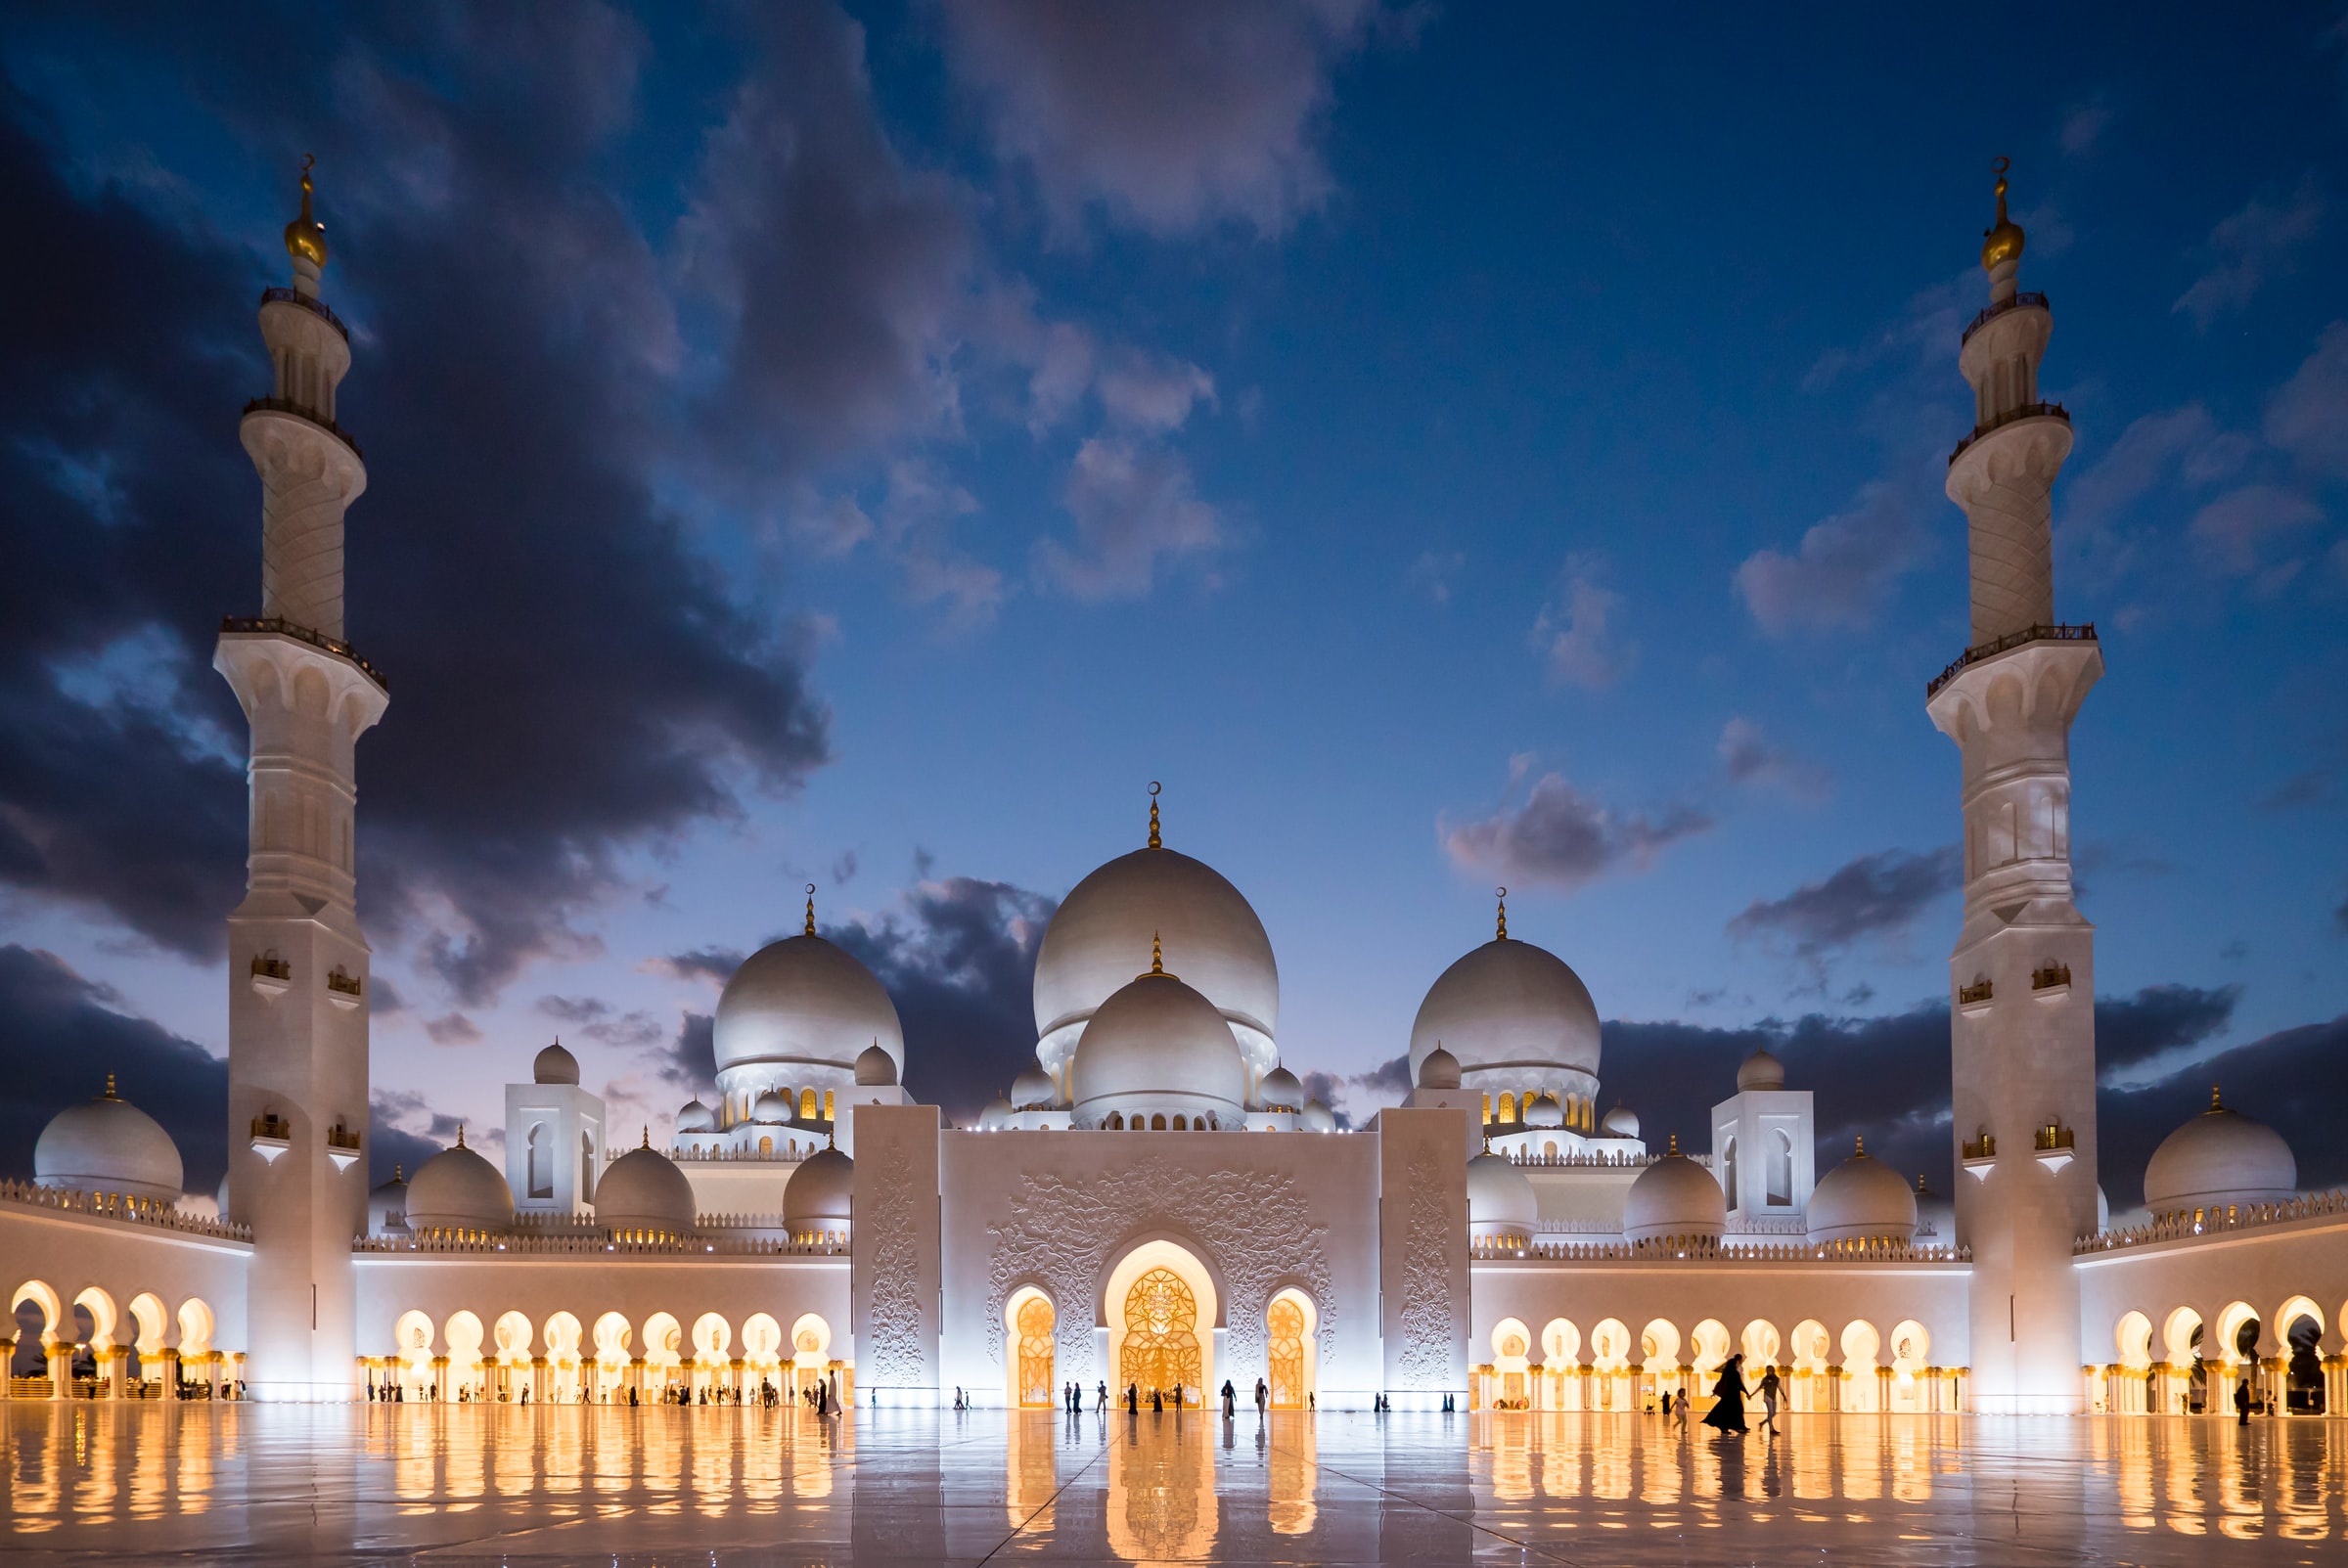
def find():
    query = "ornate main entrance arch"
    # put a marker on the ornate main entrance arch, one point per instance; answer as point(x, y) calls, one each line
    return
point(1037, 1389)
point(1162, 1336)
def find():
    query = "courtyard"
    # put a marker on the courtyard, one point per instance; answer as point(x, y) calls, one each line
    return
point(135, 1482)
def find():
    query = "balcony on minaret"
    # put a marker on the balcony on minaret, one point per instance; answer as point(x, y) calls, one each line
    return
point(342, 1146)
point(342, 988)
point(272, 1136)
point(2053, 1149)
point(1979, 1154)
point(2052, 982)
point(1975, 998)
point(272, 976)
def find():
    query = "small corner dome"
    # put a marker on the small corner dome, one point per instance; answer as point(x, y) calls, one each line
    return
point(108, 1145)
point(822, 1192)
point(1499, 1198)
point(1620, 1122)
point(772, 1106)
point(2220, 1157)
point(1280, 1090)
point(996, 1116)
point(1863, 1199)
point(1157, 1046)
point(1674, 1197)
point(875, 1069)
point(1509, 1007)
point(696, 1117)
point(457, 1189)
point(804, 1001)
point(1545, 1113)
point(644, 1190)
point(1031, 1088)
point(387, 1207)
point(555, 1065)
point(1760, 1070)
point(1440, 1069)
point(1319, 1118)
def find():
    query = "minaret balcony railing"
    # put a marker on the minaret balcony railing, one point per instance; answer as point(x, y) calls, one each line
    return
point(1979, 1155)
point(342, 1146)
point(2083, 632)
point(2055, 1146)
point(2028, 411)
point(343, 989)
point(272, 1136)
point(282, 627)
point(2020, 301)
point(2053, 980)
point(1977, 994)
point(317, 307)
point(286, 405)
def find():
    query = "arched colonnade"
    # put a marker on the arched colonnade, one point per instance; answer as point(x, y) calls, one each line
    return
point(1612, 1367)
point(2288, 1359)
point(142, 1348)
point(568, 1360)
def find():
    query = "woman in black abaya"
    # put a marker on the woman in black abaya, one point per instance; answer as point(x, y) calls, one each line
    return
point(1728, 1394)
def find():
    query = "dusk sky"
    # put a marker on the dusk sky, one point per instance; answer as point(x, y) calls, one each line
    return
point(1447, 446)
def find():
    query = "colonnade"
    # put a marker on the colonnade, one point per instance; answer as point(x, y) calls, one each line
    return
point(563, 1361)
point(1816, 1370)
point(142, 1351)
point(2290, 1361)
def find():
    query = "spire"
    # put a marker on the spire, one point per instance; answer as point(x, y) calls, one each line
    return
point(647, 1140)
point(2001, 242)
point(810, 910)
point(2214, 1102)
point(305, 235)
point(1674, 1148)
point(1155, 842)
point(460, 1135)
point(1503, 896)
point(399, 1173)
point(1157, 956)
point(110, 1086)
point(1921, 1189)
point(1860, 1152)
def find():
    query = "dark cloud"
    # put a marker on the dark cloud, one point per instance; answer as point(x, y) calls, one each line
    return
point(453, 1029)
point(961, 971)
point(1387, 1077)
point(1562, 838)
point(843, 867)
point(597, 1019)
point(1750, 757)
point(711, 964)
point(2285, 1079)
point(60, 1034)
point(689, 1059)
point(1875, 896)
point(2156, 1021)
point(391, 1150)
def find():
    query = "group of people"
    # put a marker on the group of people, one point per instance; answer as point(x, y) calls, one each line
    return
point(818, 1395)
point(1728, 1400)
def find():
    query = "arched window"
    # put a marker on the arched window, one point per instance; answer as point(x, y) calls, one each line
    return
point(1727, 1169)
point(1780, 1168)
point(1182, 1124)
point(1508, 1108)
point(807, 1103)
point(827, 1104)
point(586, 1168)
point(1116, 1121)
point(541, 1164)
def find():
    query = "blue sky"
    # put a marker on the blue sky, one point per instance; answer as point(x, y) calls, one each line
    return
point(1446, 446)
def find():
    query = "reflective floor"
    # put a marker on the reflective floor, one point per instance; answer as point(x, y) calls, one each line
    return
point(473, 1483)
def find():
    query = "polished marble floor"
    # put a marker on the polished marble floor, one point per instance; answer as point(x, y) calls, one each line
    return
point(496, 1483)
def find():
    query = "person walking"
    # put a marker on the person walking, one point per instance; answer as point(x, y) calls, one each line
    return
point(1231, 1400)
point(1728, 1409)
point(1100, 1401)
point(1157, 1400)
point(1769, 1387)
point(1263, 1396)
point(1133, 1399)
point(2241, 1402)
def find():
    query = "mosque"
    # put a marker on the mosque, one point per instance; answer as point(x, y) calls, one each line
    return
point(1157, 1202)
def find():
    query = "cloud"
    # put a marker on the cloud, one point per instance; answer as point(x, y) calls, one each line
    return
point(453, 1029)
point(61, 1034)
point(1750, 758)
point(1561, 839)
point(688, 1061)
point(1168, 119)
point(2083, 126)
point(2308, 416)
point(599, 1020)
point(1573, 631)
point(1152, 395)
point(2237, 528)
point(2156, 1027)
point(2282, 1079)
point(1433, 571)
point(1844, 573)
point(960, 969)
point(714, 964)
point(1391, 1078)
point(1874, 897)
point(2260, 241)
point(1135, 506)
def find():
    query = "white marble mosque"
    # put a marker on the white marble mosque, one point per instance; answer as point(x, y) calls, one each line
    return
point(1156, 1203)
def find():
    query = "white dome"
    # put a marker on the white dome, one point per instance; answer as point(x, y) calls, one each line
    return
point(1501, 1201)
point(2220, 1157)
point(1620, 1122)
point(1440, 1070)
point(108, 1145)
point(803, 1002)
point(1280, 1090)
point(1936, 1218)
point(1863, 1199)
point(1099, 938)
point(1545, 1113)
point(1511, 1009)
point(1031, 1087)
point(387, 1208)
point(822, 1193)
point(1319, 1118)
point(1674, 1197)
point(696, 1117)
point(1760, 1070)
point(644, 1190)
point(555, 1065)
point(997, 1115)
point(457, 1189)
point(773, 1106)
point(875, 1069)
point(1157, 1046)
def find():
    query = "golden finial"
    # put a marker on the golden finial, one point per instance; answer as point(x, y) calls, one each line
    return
point(1157, 956)
point(2003, 240)
point(305, 235)
point(810, 909)
point(1861, 1152)
point(1920, 1184)
point(1674, 1146)
point(399, 1172)
point(647, 1140)
point(110, 1086)
point(2214, 1102)
point(1155, 842)
point(460, 1135)
point(1503, 896)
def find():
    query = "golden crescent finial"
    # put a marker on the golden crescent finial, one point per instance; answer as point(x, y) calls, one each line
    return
point(1155, 842)
point(2002, 239)
point(460, 1135)
point(2214, 1103)
point(810, 909)
point(1504, 915)
point(1157, 956)
point(110, 1086)
point(1861, 1151)
point(305, 235)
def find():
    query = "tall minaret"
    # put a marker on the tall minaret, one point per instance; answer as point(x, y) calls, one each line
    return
point(298, 981)
point(2023, 975)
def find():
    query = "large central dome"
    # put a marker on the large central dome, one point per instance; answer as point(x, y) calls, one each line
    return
point(1509, 1011)
point(803, 1002)
point(1101, 937)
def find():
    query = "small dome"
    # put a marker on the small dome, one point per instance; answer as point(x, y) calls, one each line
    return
point(1439, 1070)
point(1620, 1122)
point(2220, 1157)
point(822, 1193)
point(1280, 1090)
point(1760, 1070)
point(802, 1002)
point(555, 1065)
point(1032, 1089)
point(1863, 1199)
point(387, 1208)
point(457, 1189)
point(643, 1190)
point(1511, 1009)
point(696, 1117)
point(1545, 1113)
point(1157, 1046)
point(1674, 1197)
point(1501, 1201)
point(875, 1069)
point(108, 1145)
point(1319, 1118)
point(773, 1106)
point(996, 1116)
point(1935, 1217)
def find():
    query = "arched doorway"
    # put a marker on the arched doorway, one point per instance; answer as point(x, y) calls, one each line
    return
point(1161, 1350)
point(1288, 1324)
point(1035, 1385)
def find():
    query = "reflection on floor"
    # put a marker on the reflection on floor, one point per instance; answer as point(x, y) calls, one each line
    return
point(145, 1482)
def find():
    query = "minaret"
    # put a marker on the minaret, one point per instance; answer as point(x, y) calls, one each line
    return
point(298, 981)
point(2022, 974)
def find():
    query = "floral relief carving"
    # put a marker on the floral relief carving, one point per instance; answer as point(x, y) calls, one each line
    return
point(1254, 1226)
point(1428, 1332)
point(890, 1238)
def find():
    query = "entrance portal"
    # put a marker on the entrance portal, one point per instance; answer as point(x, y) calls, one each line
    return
point(1286, 1321)
point(1162, 1336)
point(1037, 1391)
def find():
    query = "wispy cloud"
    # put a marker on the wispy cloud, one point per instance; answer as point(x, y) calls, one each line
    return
point(1561, 839)
point(1576, 631)
point(2260, 241)
point(1844, 573)
point(1750, 757)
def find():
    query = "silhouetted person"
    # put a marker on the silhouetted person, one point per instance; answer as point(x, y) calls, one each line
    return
point(1727, 1410)
point(1230, 1399)
point(1769, 1401)
point(1158, 1399)
point(1263, 1397)
point(1101, 1400)
point(2241, 1402)
point(631, 1396)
